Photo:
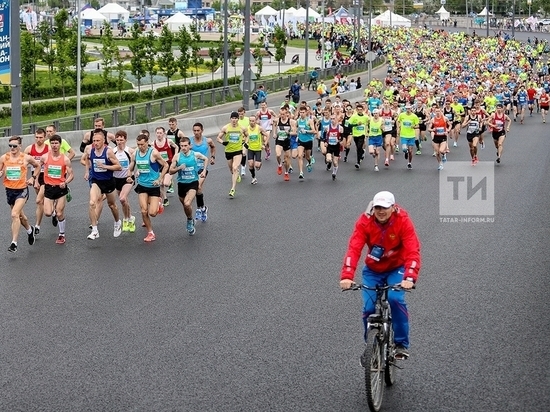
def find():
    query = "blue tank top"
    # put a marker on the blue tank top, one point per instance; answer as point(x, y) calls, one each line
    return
point(202, 148)
point(303, 124)
point(148, 172)
point(325, 123)
point(189, 173)
point(97, 173)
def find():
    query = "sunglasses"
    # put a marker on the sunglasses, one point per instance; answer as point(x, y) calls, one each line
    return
point(13, 146)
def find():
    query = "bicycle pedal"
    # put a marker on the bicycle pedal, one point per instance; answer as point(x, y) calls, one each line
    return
point(396, 365)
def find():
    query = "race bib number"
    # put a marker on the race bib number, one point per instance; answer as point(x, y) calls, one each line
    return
point(142, 166)
point(13, 173)
point(54, 171)
point(98, 162)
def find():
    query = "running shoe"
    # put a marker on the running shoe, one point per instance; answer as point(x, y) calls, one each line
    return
point(189, 225)
point(166, 202)
point(198, 213)
point(312, 160)
point(280, 170)
point(406, 154)
point(309, 167)
point(170, 188)
point(333, 176)
point(482, 145)
point(12, 248)
point(396, 149)
point(455, 144)
point(232, 193)
point(60, 240)
point(357, 165)
point(150, 237)
point(267, 154)
point(243, 171)
point(117, 229)
point(401, 352)
point(498, 159)
point(329, 165)
point(444, 158)
point(386, 162)
point(238, 178)
point(125, 225)
point(434, 154)
point(420, 145)
point(376, 169)
point(204, 216)
point(68, 196)
point(392, 158)
point(132, 224)
point(418, 152)
point(290, 169)
point(287, 177)
point(93, 235)
point(409, 166)
point(54, 219)
point(345, 159)
point(161, 209)
point(301, 177)
point(30, 236)
point(476, 160)
point(440, 166)
point(254, 181)
point(36, 231)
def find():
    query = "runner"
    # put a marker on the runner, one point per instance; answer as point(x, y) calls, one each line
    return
point(244, 122)
point(255, 143)
point(500, 124)
point(232, 136)
point(265, 117)
point(202, 145)
point(375, 137)
point(57, 174)
point(358, 122)
point(284, 128)
point(13, 167)
point(186, 166)
point(440, 126)
point(151, 168)
point(306, 132)
point(407, 125)
point(473, 122)
point(167, 150)
point(331, 144)
point(99, 124)
point(65, 148)
point(101, 163)
point(36, 150)
point(123, 186)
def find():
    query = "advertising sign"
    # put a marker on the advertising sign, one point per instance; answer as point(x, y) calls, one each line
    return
point(5, 42)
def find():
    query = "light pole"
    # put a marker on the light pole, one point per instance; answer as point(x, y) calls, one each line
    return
point(246, 59)
point(529, 4)
point(225, 44)
point(487, 16)
point(323, 37)
point(513, 18)
point(370, 38)
point(467, 19)
point(15, 72)
point(78, 57)
point(306, 60)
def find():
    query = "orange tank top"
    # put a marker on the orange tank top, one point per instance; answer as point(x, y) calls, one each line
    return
point(54, 170)
point(15, 172)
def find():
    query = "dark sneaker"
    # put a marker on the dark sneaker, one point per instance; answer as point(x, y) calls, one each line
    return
point(401, 352)
point(36, 231)
point(54, 220)
point(30, 236)
point(12, 248)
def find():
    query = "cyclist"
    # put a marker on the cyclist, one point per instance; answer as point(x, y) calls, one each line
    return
point(393, 257)
point(313, 76)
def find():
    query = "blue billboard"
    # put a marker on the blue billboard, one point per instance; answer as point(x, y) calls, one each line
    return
point(5, 42)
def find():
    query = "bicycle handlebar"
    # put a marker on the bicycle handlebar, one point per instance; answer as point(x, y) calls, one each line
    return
point(397, 286)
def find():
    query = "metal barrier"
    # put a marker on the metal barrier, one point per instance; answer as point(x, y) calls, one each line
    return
point(178, 105)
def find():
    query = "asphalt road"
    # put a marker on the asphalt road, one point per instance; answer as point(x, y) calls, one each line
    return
point(247, 314)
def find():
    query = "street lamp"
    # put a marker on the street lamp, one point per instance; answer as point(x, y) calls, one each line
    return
point(529, 4)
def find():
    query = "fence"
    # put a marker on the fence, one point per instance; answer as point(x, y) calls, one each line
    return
point(180, 105)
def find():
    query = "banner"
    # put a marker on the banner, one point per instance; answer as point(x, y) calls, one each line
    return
point(5, 77)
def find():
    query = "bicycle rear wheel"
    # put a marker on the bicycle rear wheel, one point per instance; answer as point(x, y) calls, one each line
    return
point(373, 361)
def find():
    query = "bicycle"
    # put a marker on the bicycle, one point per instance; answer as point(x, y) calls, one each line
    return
point(379, 359)
point(318, 55)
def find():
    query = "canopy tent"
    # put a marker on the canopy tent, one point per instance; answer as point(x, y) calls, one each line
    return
point(484, 12)
point(300, 14)
point(178, 20)
point(91, 16)
point(341, 15)
point(266, 11)
point(391, 19)
point(443, 14)
point(114, 12)
point(288, 13)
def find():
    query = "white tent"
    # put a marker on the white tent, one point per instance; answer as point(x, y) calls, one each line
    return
point(300, 14)
point(175, 22)
point(288, 13)
point(114, 12)
point(391, 19)
point(443, 14)
point(92, 16)
point(484, 12)
point(266, 11)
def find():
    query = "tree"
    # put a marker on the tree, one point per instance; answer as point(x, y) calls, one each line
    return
point(214, 52)
point(257, 53)
point(62, 53)
point(279, 40)
point(137, 62)
point(121, 75)
point(232, 49)
point(109, 51)
point(30, 53)
point(73, 54)
point(216, 5)
point(150, 55)
point(183, 38)
point(46, 42)
point(196, 58)
point(166, 60)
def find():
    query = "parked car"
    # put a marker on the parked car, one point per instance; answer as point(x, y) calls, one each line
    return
point(544, 22)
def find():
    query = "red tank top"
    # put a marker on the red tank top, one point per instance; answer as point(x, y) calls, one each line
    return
point(499, 122)
point(54, 170)
point(37, 155)
point(165, 151)
point(333, 135)
point(439, 126)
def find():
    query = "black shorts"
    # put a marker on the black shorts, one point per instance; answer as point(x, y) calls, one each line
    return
point(455, 124)
point(105, 186)
point(544, 107)
point(151, 191)
point(285, 144)
point(422, 127)
point(54, 192)
point(200, 172)
point(13, 194)
point(306, 145)
point(120, 182)
point(498, 134)
point(255, 155)
point(183, 188)
point(333, 149)
point(470, 136)
point(41, 179)
point(439, 139)
point(231, 155)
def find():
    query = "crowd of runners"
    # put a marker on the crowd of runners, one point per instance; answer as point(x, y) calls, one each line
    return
point(439, 87)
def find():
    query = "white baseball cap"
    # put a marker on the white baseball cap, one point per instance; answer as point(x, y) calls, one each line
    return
point(384, 199)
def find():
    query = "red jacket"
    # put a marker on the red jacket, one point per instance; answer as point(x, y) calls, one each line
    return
point(397, 237)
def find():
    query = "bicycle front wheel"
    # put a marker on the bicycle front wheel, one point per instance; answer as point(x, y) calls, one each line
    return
point(318, 56)
point(390, 360)
point(373, 361)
